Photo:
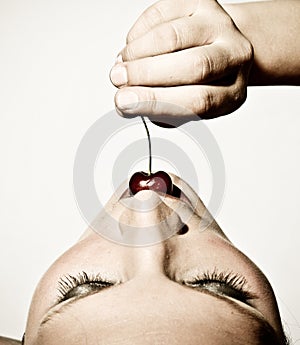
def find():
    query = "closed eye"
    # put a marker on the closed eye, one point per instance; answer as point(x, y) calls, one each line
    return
point(80, 285)
point(226, 284)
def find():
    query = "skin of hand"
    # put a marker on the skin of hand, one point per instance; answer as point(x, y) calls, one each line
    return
point(273, 29)
point(183, 61)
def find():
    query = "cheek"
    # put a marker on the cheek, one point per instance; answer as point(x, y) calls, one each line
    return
point(178, 317)
point(63, 332)
point(40, 303)
point(137, 332)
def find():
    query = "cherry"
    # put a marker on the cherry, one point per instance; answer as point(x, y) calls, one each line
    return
point(158, 182)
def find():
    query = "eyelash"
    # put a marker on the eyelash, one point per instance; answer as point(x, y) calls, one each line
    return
point(69, 282)
point(230, 279)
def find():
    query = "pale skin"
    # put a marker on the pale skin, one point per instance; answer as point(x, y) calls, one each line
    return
point(250, 59)
point(201, 57)
point(8, 341)
point(153, 297)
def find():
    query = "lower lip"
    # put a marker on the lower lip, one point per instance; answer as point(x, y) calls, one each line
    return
point(180, 196)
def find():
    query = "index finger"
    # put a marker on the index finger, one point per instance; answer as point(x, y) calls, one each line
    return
point(161, 12)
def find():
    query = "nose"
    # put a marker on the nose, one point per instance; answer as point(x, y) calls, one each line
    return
point(146, 218)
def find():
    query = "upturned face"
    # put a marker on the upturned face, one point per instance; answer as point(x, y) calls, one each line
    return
point(154, 269)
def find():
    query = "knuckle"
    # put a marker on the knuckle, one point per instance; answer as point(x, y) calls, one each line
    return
point(207, 102)
point(203, 66)
point(155, 13)
point(248, 51)
point(153, 103)
point(168, 36)
point(128, 53)
point(224, 25)
point(239, 96)
point(202, 103)
point(227, 22)
point(244, 51)
point(149, 102)
point(129, 37)
point(236, 97)
point(175, 37)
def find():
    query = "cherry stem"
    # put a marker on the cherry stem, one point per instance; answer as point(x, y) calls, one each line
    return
point(149, 145)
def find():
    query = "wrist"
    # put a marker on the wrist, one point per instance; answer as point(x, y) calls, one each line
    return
point(272, 27)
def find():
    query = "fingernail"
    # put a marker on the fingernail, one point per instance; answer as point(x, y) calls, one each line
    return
point(118, 75)
point(127, 100)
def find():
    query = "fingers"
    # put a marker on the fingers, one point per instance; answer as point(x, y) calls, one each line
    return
point(190, 66)
point(168, 37)
point(181, 104)
point(184, 60)
point(161, 12)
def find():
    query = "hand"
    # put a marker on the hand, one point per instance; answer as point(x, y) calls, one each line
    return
point(183, 60)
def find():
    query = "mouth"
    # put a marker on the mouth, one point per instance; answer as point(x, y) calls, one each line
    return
point(177, 194)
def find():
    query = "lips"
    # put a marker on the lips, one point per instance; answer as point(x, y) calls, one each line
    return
point(177, 194)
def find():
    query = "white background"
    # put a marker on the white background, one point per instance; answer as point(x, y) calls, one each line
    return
point(55, 58)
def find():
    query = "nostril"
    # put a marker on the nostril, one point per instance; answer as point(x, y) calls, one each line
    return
point(176, 192)
point(183, 230)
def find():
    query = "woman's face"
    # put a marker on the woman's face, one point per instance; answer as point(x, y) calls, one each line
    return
point(191, 287)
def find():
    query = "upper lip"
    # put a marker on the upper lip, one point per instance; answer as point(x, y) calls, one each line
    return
point(180, 195)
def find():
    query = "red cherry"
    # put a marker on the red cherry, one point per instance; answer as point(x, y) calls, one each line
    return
point(159, 182)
